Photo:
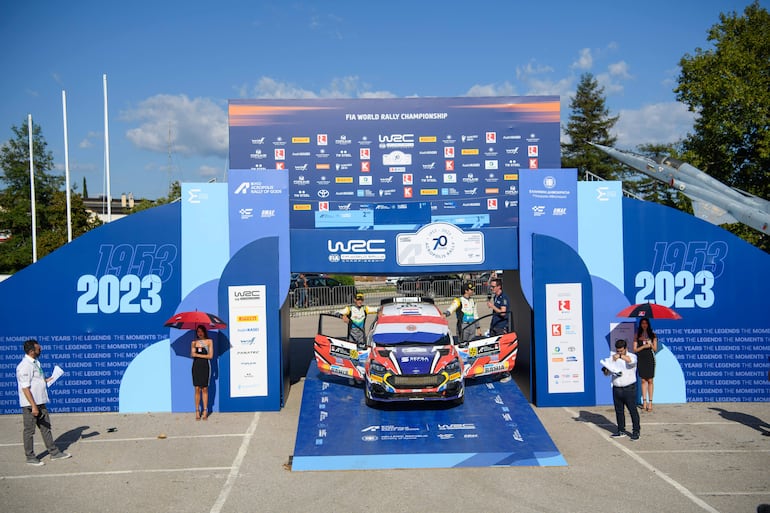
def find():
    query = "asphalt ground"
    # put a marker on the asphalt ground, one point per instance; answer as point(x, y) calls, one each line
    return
point(691, 458)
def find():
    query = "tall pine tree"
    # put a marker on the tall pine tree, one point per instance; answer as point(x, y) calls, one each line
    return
point(589, 121)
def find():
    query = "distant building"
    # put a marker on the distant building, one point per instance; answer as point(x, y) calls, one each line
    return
point(120, 207)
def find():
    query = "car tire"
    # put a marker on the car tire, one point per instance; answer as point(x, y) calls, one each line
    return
point(459, 400)
point(371, 403)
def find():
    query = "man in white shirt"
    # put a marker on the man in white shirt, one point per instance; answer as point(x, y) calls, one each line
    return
point(621, 365)
point(33, 396)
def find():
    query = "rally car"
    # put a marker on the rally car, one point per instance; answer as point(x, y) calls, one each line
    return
point(410, 354)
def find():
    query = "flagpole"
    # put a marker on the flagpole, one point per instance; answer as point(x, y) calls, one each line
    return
point(32, 189)
point(107, 151)
point(67, 166)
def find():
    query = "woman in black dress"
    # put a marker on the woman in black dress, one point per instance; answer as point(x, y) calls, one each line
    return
point(645, 347)
point(202, 351)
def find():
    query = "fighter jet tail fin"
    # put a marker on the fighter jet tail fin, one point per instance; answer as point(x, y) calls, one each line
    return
point(711, 213)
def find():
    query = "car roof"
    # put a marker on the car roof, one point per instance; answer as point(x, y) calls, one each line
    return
point(410, 321)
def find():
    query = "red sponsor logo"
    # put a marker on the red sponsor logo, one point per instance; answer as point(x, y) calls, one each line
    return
point(556, 330)
point(408, 192)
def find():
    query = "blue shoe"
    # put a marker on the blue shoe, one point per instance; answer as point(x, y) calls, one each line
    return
point(635, 436)
point(618, 434)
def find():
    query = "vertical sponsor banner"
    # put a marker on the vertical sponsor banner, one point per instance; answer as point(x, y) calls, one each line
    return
point(563, 323)
point(548, 206)
point(258, 268)
point(564, 319)
point(248, 340)
point(259, 208)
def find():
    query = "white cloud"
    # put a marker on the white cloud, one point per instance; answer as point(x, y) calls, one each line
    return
point(504, 89)
point(619, 70)
point(657, 123)
point(342, 87)
point(193, 127)
point(585, 60)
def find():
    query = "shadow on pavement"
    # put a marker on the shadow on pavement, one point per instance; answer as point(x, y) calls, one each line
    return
point(745, 419)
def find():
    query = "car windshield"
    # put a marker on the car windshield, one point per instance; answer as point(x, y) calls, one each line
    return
point(417, 338)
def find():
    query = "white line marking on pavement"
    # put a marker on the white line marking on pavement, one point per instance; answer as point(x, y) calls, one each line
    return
point(137, 439)
point(654, 451)
point(236, 467)
point(114, 472)
point(684, 491)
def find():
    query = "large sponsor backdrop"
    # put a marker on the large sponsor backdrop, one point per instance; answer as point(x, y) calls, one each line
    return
point(98, 304)
point(626, 251)
point(394, 166)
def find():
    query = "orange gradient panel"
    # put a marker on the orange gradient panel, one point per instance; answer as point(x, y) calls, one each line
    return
point(536, 112)
point(256, 115)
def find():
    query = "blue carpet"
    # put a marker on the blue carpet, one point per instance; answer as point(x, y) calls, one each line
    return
point(495, 427)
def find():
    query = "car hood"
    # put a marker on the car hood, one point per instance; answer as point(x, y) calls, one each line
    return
point(415, 359)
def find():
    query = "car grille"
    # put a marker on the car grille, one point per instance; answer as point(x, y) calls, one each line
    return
point(419, 381)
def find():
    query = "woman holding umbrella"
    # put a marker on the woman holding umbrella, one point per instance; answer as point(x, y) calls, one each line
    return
point(645, 347)
point(201, 351)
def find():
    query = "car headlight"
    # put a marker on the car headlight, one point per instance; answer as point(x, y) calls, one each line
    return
point(377, 368)
point(453, 366)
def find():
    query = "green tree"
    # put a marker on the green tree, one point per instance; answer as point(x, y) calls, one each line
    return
point(85, 188)
point(174, 194)
point(729, 87)
point(50, 201)
point(589, 121)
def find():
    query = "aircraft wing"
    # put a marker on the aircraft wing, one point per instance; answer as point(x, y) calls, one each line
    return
point(711, 213)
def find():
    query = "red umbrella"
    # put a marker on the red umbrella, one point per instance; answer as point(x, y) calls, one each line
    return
point(191, 320)
point(648, 311)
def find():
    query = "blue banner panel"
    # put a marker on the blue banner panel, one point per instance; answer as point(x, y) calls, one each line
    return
point(717, 283)
point(95, 305)
point(462, 156)
point(565, 364)
point(434, 246)
point(494, 427)
point(548, 207)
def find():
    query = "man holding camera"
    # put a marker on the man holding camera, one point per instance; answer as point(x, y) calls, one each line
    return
point(621, 365)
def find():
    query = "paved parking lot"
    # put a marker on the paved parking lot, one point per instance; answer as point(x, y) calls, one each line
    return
point(691, 458)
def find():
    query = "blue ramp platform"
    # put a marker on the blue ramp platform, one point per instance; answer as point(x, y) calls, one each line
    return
point(494, 427)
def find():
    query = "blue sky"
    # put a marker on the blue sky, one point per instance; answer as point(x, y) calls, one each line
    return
point(172, 67)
